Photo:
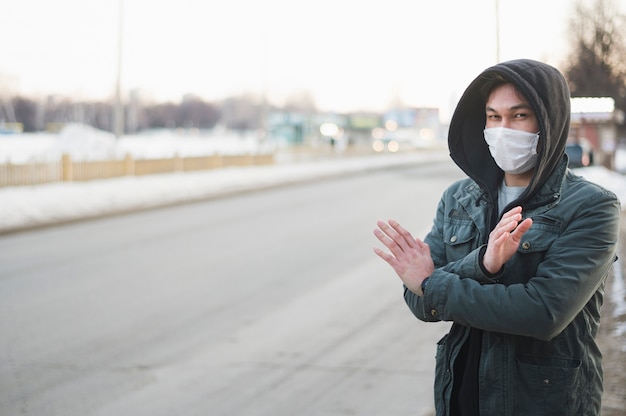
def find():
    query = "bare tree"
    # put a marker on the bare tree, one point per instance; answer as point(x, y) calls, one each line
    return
point(194, 112)
point(596, 66)
point(26, 112)
point(242, 112)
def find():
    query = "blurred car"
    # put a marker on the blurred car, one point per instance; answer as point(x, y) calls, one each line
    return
point(578, 156)
point(380, 145)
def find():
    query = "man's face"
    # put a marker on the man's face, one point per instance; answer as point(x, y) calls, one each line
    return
point(508, 108)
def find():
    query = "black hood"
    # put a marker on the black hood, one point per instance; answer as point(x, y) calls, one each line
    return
point(547, 92)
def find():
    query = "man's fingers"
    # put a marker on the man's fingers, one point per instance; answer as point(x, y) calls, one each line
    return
point(391, 244)
point(515, 214)
point(385, 256)
point(513, 211)
point(423, 246)
point(404, 233)
point(383, 238)
point(522, 228)
point(504, 228)
point(395, 236)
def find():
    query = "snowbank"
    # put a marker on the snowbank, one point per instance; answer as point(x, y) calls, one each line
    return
point(84, 143)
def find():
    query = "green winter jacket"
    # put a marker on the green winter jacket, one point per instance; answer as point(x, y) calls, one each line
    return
point(537, 318)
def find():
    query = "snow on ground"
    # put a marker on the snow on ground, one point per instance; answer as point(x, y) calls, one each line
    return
point(22, 207)
point(30, 206)
point(87, 143)
point(39, 205)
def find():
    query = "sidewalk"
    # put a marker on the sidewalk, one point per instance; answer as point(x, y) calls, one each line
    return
point(35, 206)
point(612, 334)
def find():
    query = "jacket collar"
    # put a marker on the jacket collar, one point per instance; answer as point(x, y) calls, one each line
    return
point(475, 200)
point(550, 193)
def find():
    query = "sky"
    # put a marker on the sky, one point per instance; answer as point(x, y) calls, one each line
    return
point(350, 55)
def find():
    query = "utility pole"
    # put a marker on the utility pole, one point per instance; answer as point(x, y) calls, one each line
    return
point(263, 122)
point(497, 31)
point(118, 114)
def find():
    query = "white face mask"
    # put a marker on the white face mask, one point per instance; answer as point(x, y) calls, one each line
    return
point(515, 151)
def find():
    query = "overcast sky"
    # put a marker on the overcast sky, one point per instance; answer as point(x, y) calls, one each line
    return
point(350, 54)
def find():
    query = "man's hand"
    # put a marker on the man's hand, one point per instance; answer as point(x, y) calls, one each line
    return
point(410, 257)
point(504, 239)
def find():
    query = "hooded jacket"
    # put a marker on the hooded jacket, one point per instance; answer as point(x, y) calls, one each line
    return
point(534, 323)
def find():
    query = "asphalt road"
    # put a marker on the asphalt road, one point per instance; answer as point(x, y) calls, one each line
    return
point(268, 303)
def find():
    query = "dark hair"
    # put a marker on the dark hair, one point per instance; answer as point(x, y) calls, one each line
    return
point(492, 80)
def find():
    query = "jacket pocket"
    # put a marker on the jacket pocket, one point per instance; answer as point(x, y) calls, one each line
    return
point(540, 236)
point(459, 237)
point(547, 386)
point(531, 251)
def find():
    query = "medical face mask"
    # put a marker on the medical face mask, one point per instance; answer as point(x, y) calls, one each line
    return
point(515, 151)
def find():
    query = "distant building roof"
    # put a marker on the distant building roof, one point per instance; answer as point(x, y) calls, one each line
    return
point(592, 109)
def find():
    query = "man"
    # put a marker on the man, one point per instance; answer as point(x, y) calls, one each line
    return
point(517, 257)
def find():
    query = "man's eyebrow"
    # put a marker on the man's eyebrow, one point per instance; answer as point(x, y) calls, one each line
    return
point(520, 106)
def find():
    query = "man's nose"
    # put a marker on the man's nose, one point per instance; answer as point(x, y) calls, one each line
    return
point(505, 122)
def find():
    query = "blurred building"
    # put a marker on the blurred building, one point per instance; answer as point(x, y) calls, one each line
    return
point(400, 128)
point(288, 128)
point(408, 127)
point(593, 129)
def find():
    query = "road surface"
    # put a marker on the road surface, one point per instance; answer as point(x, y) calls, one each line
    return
point(268, 303)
